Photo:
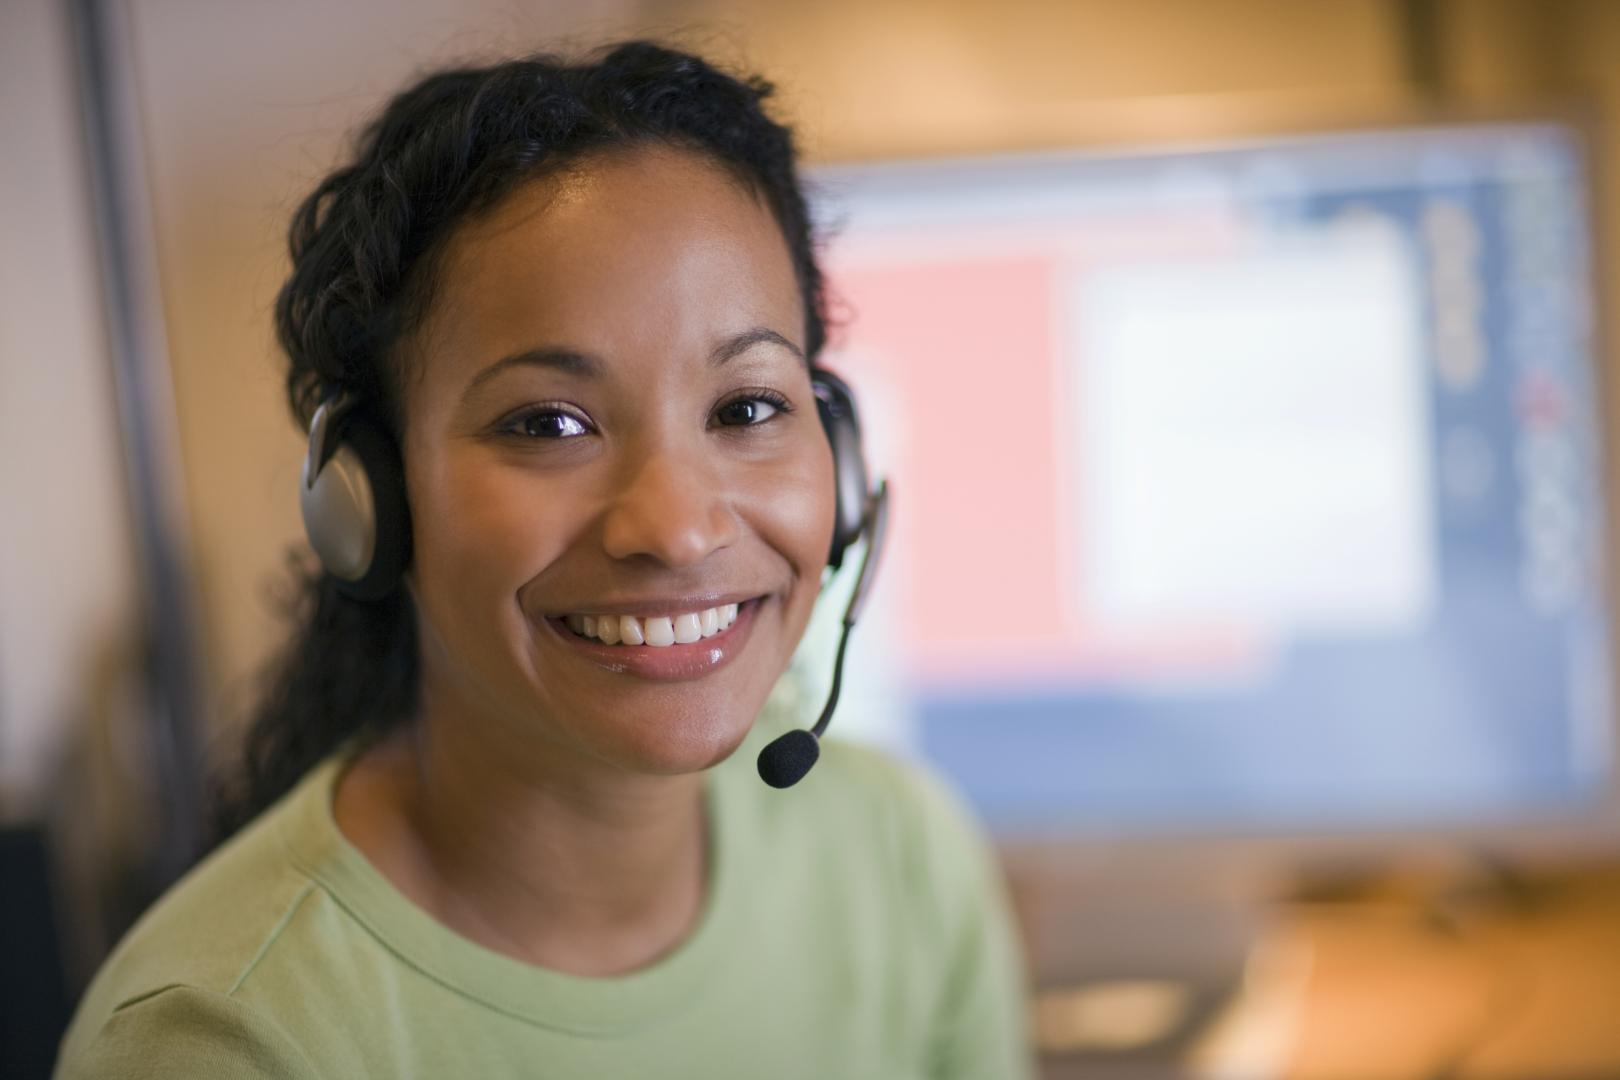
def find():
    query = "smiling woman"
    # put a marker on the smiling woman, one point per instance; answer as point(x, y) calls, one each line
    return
point(618, 482)
point(555, 332)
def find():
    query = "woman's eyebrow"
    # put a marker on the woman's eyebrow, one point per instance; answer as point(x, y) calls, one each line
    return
point(741, 343)
point(585, 366)
point(566, 361)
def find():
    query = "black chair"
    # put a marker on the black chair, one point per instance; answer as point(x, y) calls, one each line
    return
point(34, 1002)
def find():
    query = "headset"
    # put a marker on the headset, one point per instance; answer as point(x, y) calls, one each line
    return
point(352, 494)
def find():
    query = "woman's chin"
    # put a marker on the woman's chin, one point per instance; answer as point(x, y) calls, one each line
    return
point(670, 749)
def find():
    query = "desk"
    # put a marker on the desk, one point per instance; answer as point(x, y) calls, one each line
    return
point(1525, 985)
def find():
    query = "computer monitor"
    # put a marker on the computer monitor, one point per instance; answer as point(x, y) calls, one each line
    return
point(1243, 487)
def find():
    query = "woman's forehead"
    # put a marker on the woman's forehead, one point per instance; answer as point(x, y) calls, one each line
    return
point(656, 250)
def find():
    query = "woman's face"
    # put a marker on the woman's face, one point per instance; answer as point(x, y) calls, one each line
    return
point(609, 414)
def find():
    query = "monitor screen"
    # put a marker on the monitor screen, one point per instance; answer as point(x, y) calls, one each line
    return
point(1239, 487)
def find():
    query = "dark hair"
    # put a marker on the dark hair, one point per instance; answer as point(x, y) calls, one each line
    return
point(363, 249)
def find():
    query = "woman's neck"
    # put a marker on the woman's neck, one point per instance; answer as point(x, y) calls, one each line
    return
point(542, 856)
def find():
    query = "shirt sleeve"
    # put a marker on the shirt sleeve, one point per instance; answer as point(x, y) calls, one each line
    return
point(181, 1031)
point(981, 1024)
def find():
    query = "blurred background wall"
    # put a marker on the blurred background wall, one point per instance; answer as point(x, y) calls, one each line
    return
point(241, 106)
point(67, 573)
point(244, 105)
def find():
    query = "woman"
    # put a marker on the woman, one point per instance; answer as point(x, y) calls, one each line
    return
point(516, 829)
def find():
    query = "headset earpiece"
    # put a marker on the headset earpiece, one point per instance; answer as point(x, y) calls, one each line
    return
point(352, 494)
point(835, 403)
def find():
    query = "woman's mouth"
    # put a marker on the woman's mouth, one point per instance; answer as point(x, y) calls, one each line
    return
point(684, 645)
point(658, 631)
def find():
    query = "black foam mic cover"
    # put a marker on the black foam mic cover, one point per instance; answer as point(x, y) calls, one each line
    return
point(788, 757)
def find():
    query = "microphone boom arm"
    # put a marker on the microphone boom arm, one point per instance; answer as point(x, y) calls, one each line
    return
point(788, 757)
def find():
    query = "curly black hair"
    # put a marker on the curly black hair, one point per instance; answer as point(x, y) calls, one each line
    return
point(364, 246)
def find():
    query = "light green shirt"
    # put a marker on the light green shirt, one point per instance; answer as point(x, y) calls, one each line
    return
point(854, 926)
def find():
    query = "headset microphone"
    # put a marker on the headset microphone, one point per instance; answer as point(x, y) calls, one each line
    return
point(785, 761)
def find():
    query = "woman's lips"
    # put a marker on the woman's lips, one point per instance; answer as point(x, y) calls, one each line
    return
point(668, 662)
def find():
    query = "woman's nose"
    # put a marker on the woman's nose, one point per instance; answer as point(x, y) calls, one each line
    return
point(669, 511)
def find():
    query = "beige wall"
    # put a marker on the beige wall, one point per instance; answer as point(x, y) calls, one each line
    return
point(67, 580)
point(245, 105)
point(883, 77)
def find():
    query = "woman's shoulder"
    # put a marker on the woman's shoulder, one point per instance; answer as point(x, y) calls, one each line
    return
point(194, 948)
point(879, 848)
point(865, 795)
point(866, 804)
point(884, 787)
point(954, 903)
point(927, 819)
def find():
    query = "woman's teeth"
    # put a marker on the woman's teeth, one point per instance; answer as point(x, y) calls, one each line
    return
point(657, 630)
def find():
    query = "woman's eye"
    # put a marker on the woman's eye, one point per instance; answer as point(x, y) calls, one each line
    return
point(548, 424)
point(749, 411)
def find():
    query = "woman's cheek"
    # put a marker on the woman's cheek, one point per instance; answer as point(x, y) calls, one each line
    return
point(794, 509)
point(487, 527)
